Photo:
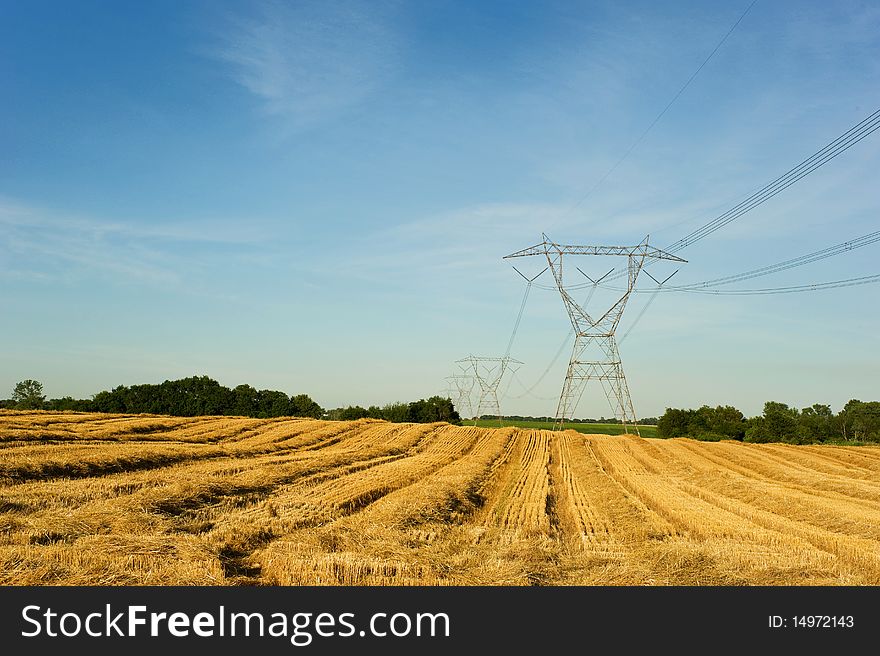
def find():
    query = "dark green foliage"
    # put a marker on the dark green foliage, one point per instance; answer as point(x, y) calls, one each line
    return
point(816, 423)
point(396, 412)
point(245, 401)
point(423, 411)
point(779, 423)
point(187, 397)
point(856, 422)
point(109, 401)
point(675, 423)
point(860, 421)
point(198, 396)
point(67, 404)
point(723, 422)
point(28, 395)
point(353, 412)
point(302, 405)
point(433, 409)
point(273, 404)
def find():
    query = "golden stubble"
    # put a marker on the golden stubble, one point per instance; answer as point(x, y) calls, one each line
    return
point(96, 499)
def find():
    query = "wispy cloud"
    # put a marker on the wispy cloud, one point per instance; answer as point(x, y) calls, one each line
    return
point(458, 244)
point(309, 61)
point(46, 245)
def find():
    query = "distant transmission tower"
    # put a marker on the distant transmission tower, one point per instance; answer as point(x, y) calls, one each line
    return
point(488, 373)
point(449, 392)
point(595, 355)
point(461, 388)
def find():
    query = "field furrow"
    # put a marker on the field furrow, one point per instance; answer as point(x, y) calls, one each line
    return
point(749, 460)
point(145, 499)
point(406, 525)
point(575, 500)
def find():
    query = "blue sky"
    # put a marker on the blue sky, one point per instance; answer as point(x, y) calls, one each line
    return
point(316, 197)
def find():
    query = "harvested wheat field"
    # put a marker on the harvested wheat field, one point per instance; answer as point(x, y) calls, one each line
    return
point(153, 500)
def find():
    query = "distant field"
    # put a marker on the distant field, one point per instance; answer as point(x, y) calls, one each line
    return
point(97, 499)
point(600, 429)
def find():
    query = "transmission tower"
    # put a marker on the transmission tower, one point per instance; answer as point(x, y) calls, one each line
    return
point(488, 372)
point(449, 392)
point(595, 355)
point(461, 388)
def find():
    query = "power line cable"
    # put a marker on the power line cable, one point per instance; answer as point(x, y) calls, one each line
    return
point(608, 173)
point(843, 143)
point(809, 258)
point(830, 251)
point(641, 314)
point(839, 145)
point(660, 115)
point(568, 336)
point(522, 307)
point(528, 391)
point(801, 260)
point(833, 284)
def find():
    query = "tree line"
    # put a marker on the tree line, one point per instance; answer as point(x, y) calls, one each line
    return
point(186, 397)
point(435, 408)
point(201, 395)
point(857, 421)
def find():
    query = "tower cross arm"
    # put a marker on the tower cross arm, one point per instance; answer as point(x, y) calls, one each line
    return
point(537, 249)
point(474, 358)
point(545, 248)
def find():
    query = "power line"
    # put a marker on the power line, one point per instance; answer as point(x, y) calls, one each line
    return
point(843, 143)
point(848, 139)
point(640, 314)
point(660, 115)
point(830, 251)
point(839, 145)
point(522, 307)
point(792, 263)
point(568, 336)
point(528, 391)
point(809, 258)
point(834, 284)
point(801, 260)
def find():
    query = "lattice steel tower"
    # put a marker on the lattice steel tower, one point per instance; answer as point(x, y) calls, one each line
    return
point(488, 373)
point(462, 385)
point(595, 355)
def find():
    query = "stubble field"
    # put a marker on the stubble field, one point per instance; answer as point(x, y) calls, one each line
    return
point(112, 499)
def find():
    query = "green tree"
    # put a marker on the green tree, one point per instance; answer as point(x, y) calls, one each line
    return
point(302, 405)
point(675, 422)
point(272, 403)
point(67, 403)
point(816, 423)
point(28, 395)
point(435, 408)
point(718, 423)
point(353, 412)
point(396, 412)
point(245, 401)
point(779, 423)
point(860, 421)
